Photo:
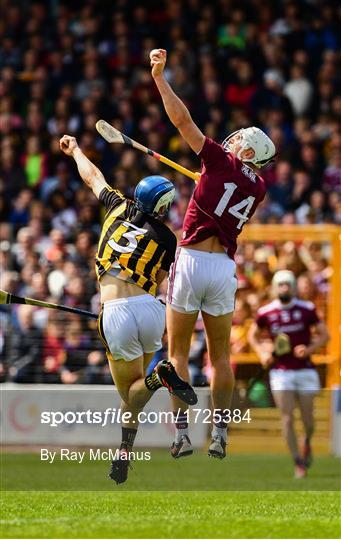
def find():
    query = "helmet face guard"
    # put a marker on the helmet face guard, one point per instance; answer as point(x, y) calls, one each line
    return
point(166, 201)
point(255, 139)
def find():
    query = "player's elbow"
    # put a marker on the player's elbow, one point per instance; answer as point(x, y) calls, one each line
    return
point(182, 119)
point(323, 334)
point(95, 179)
point(98, 177)
point(325, 337)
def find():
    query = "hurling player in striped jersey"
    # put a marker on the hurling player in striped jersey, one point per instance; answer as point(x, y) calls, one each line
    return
point(135, 251)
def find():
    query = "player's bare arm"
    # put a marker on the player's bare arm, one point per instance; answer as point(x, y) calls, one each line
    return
point(176, 110)
point(320, 338)
point(264, 353)
point(89, 173)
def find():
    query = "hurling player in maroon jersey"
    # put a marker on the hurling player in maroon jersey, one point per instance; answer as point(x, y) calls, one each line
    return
point(203, 276)
point(288, 321)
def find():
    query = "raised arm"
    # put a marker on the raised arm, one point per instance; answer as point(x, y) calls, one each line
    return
point(89, 173)
point(176, 110)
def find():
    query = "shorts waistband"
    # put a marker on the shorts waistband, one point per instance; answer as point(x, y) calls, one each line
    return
point(142, 298)
point(203, 254)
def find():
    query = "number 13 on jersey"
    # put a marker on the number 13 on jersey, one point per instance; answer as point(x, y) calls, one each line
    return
point(129, 237)
point(235, 210)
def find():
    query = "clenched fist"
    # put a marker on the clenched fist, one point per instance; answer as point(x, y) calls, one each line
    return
point(68, 144)
point(266, 358)
point(158, 59)
point(301, 351)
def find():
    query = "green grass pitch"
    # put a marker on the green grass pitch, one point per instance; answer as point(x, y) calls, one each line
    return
point(246, 497)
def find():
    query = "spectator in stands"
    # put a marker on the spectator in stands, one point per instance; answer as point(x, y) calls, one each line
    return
point(332, 174)
point(241, 324)
point(53, 352)
point(299, 90)
point(76, 290)
point(34, 162)
point(25, 348)
point(84, 252)
point(64, 217)
point(20, 213)
point(97, 369)
point(25, 250)
point(62, 181)
point(77, 345)
point(58, 250)
point(301, 189)
point(280, 192)
point(198, 356)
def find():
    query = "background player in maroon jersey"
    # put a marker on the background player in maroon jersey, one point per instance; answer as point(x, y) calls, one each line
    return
point(288, 321)
point(203, 275)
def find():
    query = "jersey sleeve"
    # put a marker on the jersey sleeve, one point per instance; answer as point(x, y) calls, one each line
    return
point(170, 254)
point(111, 198)
point(212, 154)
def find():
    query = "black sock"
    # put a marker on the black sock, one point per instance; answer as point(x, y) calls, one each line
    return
point(128, 437)
point(152, 382)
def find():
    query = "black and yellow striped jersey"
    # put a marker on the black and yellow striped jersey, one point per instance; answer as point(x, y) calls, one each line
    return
point(137, 243)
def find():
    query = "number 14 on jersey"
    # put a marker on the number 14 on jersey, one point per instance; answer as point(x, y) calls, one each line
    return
point(235, 210)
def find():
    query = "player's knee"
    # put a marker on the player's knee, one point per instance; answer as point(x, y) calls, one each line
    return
point(124, 394)
point(221, 363)
point(126, 391)
point(288, 420)
point(222, 371)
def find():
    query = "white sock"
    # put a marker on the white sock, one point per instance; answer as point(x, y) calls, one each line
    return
point(218, 431)
point(180, 433)
point(181, 425)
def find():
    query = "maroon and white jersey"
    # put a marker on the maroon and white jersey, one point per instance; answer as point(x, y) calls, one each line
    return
point(226, 196)
point(295, 320)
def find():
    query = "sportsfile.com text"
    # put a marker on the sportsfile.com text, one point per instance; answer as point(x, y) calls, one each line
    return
point(116, 416)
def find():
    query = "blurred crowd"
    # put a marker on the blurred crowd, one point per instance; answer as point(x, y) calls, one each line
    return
point(64, 65)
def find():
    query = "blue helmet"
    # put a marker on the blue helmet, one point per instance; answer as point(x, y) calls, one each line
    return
point(153, 192)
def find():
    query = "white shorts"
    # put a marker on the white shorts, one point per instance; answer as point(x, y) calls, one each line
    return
point(300, 380)
point(132, 326)
point(204, 281)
